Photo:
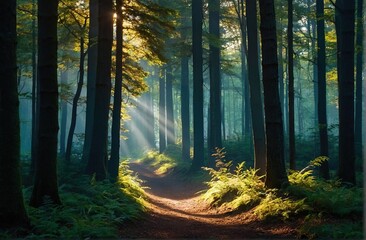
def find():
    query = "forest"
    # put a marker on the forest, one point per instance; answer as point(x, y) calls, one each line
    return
point(201, 119)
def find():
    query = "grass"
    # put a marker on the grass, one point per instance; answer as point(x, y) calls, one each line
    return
point(306, 195)
point(89, 209)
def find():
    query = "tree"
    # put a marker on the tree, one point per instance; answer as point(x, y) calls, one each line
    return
point(98, 151)
point(35, 92)
point(45, 181)
point(184, 91)
point(215, 81)
point(275, 172)
point(359, 56)
point(255, 89)
point(12, 210)
point(162, 111)
point(291, 89)
point(92, 66)
point(322, 92)
point(64, 107)
point(117, 101)
point(345, 27)
point(79, 88)
point(169, 105)
point(197, 20)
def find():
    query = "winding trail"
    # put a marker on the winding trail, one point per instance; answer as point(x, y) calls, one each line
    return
point(176, 212)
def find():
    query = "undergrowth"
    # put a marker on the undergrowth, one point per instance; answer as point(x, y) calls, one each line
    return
point(167, 161)
point(89, 209)
point(307, 195)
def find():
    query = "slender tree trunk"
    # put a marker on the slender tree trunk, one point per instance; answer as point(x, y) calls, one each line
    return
point(314, 50)
point(12, 210)
point(281, 69)
point(322, 88)
point(291, 89)
point(186, 143)
point(148, 115)
point(98, 152)
point(275, 172)
point(75, 101)
point(92, 67)
point(169, 106)
point(223, 111)
point(162, 112)
point(64, 82)
point(197, 20)
point(45, 182)
point(345, 20)
point(215, 81)
point(259, 140)
point(359, 56)
point(113, 163)
point(35, 93)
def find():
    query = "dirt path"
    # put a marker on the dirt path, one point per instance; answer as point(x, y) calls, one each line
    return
point(177, 212)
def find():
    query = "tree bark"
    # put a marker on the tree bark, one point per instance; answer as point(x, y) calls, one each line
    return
point(45, 182)
point(275, 171)
point(259, 140)
point(162, 112)
point(169, 106)
point(185, 114)
point(359, 56)
point(35, 93)
point(215, 81)
point(197, 20)
point(322, 88)
point(91, 81)
point(291, 89)
point(113, 163)
point(75, 101)
point(64, 108)
point(98, 152)
point(12, 210)
point(345, 21)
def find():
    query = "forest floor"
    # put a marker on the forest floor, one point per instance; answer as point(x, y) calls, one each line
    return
point(176, 211)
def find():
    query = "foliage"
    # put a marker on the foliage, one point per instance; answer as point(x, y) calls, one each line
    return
point(326, 196)
point(167, 161)
point(90, 209)
point(306, 194)
point(233, 190)
point(316, 225)
point(273, 205)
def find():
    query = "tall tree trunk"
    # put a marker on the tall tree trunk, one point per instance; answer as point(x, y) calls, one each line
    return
point(169, 106)
point(64, 107)
point(215, 81)
point(162, 112)
point(113, 163)
point(185, 115)
point(359, 56)
point(275, 172)
point(35, 92)
point(281, 69)
point(45, 182)
point(75, 101)
point(98, 152)
point(291, 89)
point(12, 210)
point(313, 28)
point(345, 21)
point(322, 88)
point(197, 20)
point(255, 89)
point(91, 81)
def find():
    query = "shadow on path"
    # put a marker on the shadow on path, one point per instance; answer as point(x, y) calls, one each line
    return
point(175, 212)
